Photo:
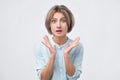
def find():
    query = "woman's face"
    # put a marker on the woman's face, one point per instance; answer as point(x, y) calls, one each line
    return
point(58, 25)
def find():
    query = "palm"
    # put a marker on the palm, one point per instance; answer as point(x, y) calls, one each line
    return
point(72, 45)
point(46, 42)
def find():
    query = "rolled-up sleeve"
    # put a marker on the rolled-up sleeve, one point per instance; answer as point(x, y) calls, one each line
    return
point(77, 63)
point(40, 60)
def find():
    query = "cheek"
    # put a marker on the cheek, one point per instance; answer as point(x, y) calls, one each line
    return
point(66, 28)
point(52, 29)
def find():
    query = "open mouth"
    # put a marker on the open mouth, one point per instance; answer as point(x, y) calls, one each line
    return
point(58, 30)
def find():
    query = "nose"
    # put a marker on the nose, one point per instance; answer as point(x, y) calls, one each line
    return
point(58, 24)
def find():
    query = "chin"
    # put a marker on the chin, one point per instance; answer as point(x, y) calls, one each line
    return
point(59, 35)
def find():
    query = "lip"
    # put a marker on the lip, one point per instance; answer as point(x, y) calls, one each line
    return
point(58, 30)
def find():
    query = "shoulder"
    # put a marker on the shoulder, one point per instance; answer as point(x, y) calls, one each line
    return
point(79, 49)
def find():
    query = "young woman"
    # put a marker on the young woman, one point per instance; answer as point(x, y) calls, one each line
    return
point(58, 57)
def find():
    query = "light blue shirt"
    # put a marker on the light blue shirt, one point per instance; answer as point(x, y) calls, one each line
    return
point(59, 72)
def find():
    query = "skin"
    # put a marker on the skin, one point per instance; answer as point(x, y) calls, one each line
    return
point(58, 22)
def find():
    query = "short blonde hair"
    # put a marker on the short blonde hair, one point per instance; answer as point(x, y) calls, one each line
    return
point(65, 11)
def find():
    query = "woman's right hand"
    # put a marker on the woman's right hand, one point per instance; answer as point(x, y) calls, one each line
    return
point(47, 43)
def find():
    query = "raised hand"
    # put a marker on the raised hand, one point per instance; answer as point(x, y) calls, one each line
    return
point(72, 45)
point(46, 42)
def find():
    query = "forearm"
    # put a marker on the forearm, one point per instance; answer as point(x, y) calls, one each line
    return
point(48, 70)
point(70, 68)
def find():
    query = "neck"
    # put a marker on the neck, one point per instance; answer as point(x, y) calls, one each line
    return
point(60, 40)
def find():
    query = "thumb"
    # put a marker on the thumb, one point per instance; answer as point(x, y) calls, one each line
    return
point(54, 47)
point(68, 45)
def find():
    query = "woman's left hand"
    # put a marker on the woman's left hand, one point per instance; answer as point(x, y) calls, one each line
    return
point(72, 45)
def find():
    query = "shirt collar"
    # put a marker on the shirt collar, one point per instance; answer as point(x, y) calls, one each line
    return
point(53, 43)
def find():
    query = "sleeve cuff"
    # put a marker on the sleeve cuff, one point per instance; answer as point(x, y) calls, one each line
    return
point(39, 74)
point(75, 76)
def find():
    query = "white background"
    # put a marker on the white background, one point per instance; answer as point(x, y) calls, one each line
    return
point(22, 26)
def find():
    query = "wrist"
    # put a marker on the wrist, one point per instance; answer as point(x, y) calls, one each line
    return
point(66, 54)
point(53, 56)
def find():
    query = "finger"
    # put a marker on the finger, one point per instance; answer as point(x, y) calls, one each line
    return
point(45, 38)
point(77, 39)
point(46, 41)
point(54, 47)
point(75, 42)
point(68, 47)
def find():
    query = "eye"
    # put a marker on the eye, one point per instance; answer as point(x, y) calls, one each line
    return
point(63, 20)
point(53, 21)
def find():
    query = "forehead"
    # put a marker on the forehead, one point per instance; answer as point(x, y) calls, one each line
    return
point(58, 15)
